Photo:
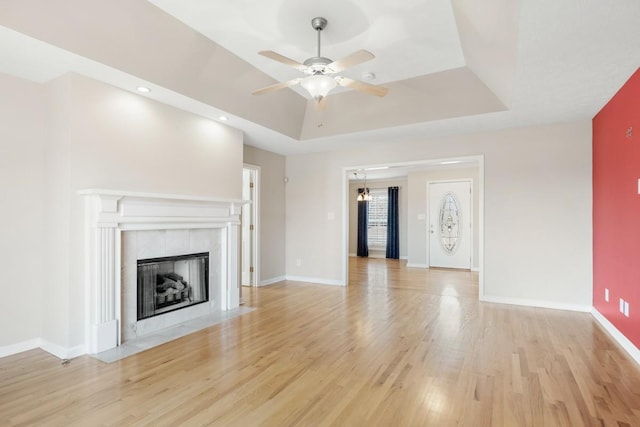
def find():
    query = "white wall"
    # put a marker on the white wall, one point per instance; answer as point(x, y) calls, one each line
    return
point(22, 206)
point(418, 228)
point(403, 196)
point(126, 141)
point(272, 211)
point(55, 312)
point(314, 229)
point(537, 209)
point(121, 140)
point(95, 136)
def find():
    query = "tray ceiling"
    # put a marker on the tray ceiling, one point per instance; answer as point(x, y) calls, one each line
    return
point(451, 66)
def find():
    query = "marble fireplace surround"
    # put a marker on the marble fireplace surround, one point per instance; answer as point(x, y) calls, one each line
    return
point(110, 213)
point(145, 244)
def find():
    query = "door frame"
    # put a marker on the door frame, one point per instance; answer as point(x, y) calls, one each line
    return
point(255, 234)
point(471, 218)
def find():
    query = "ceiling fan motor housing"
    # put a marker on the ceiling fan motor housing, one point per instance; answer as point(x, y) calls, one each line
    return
point(317, 65)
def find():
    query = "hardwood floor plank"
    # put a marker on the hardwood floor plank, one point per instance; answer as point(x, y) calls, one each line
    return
point(399, 346)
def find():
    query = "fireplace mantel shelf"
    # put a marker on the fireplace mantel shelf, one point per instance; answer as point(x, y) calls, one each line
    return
point(136, 210)
point(157, 196)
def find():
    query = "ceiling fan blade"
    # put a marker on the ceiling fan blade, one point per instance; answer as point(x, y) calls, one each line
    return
point(352, 60)
point(283, 59)
point(362, 87)
point(276, 86)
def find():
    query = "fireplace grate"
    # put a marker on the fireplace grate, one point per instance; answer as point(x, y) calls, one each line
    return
point(171, 283)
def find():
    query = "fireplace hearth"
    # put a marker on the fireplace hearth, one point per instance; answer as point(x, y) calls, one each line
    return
point(171, 283)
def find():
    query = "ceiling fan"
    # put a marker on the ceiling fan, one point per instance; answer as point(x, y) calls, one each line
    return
point(319, 79)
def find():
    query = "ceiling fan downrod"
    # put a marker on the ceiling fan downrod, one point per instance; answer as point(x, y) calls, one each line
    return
point(319, 24)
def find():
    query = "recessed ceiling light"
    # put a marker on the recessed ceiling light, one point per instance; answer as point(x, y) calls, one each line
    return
point(223, 118)
point(368, 75)
point(143, 89)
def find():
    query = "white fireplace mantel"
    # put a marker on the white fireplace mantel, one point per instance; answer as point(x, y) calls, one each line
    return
point(109, 212)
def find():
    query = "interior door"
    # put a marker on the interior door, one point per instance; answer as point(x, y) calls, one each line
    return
point(450, 222)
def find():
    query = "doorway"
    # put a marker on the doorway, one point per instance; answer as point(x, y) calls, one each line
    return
point(419, 216)
point(249, 218)
point(449, 224)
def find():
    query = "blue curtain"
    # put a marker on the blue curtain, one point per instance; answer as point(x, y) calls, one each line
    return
point(393, 238)
point(363, 226)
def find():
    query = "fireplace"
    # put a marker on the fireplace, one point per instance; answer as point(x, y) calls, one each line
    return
point(171, 283)
point(122, 227)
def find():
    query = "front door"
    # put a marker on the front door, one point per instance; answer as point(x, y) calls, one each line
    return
point(450, 222)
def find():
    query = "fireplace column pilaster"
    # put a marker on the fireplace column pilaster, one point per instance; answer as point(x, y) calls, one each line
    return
point(231, 290)
point(104, 273)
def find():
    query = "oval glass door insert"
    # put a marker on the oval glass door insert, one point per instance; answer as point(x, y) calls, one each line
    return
point(449, 223)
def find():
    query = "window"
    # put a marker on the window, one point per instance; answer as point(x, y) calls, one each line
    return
point(449, 223)
point(378, 218)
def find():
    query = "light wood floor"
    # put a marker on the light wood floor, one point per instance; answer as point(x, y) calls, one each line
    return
point(399, 347)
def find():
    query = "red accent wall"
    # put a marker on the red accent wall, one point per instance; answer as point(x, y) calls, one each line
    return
point(616, 208)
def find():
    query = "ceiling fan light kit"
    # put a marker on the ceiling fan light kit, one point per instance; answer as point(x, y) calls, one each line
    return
point(318, 69)
point(318, 85)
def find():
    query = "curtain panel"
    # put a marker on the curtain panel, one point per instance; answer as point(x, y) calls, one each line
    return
point(363, 226)
point(393, 238)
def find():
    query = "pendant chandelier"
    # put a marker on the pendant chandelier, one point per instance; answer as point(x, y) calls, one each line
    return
point(363, 196)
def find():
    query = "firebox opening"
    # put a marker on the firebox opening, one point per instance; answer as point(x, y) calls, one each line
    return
point(171, 283)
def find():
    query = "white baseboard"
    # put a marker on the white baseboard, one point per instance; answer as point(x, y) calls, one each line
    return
point(535, 303)
point(413, 265)
point(617, 336)
point(11, 349)
point(353, 255)
point(315, 280)
point(62, 352)
point(272, 281)
point(55, 349)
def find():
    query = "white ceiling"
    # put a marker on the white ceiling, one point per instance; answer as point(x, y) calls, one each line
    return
point(409, 38)
point(546, 61)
